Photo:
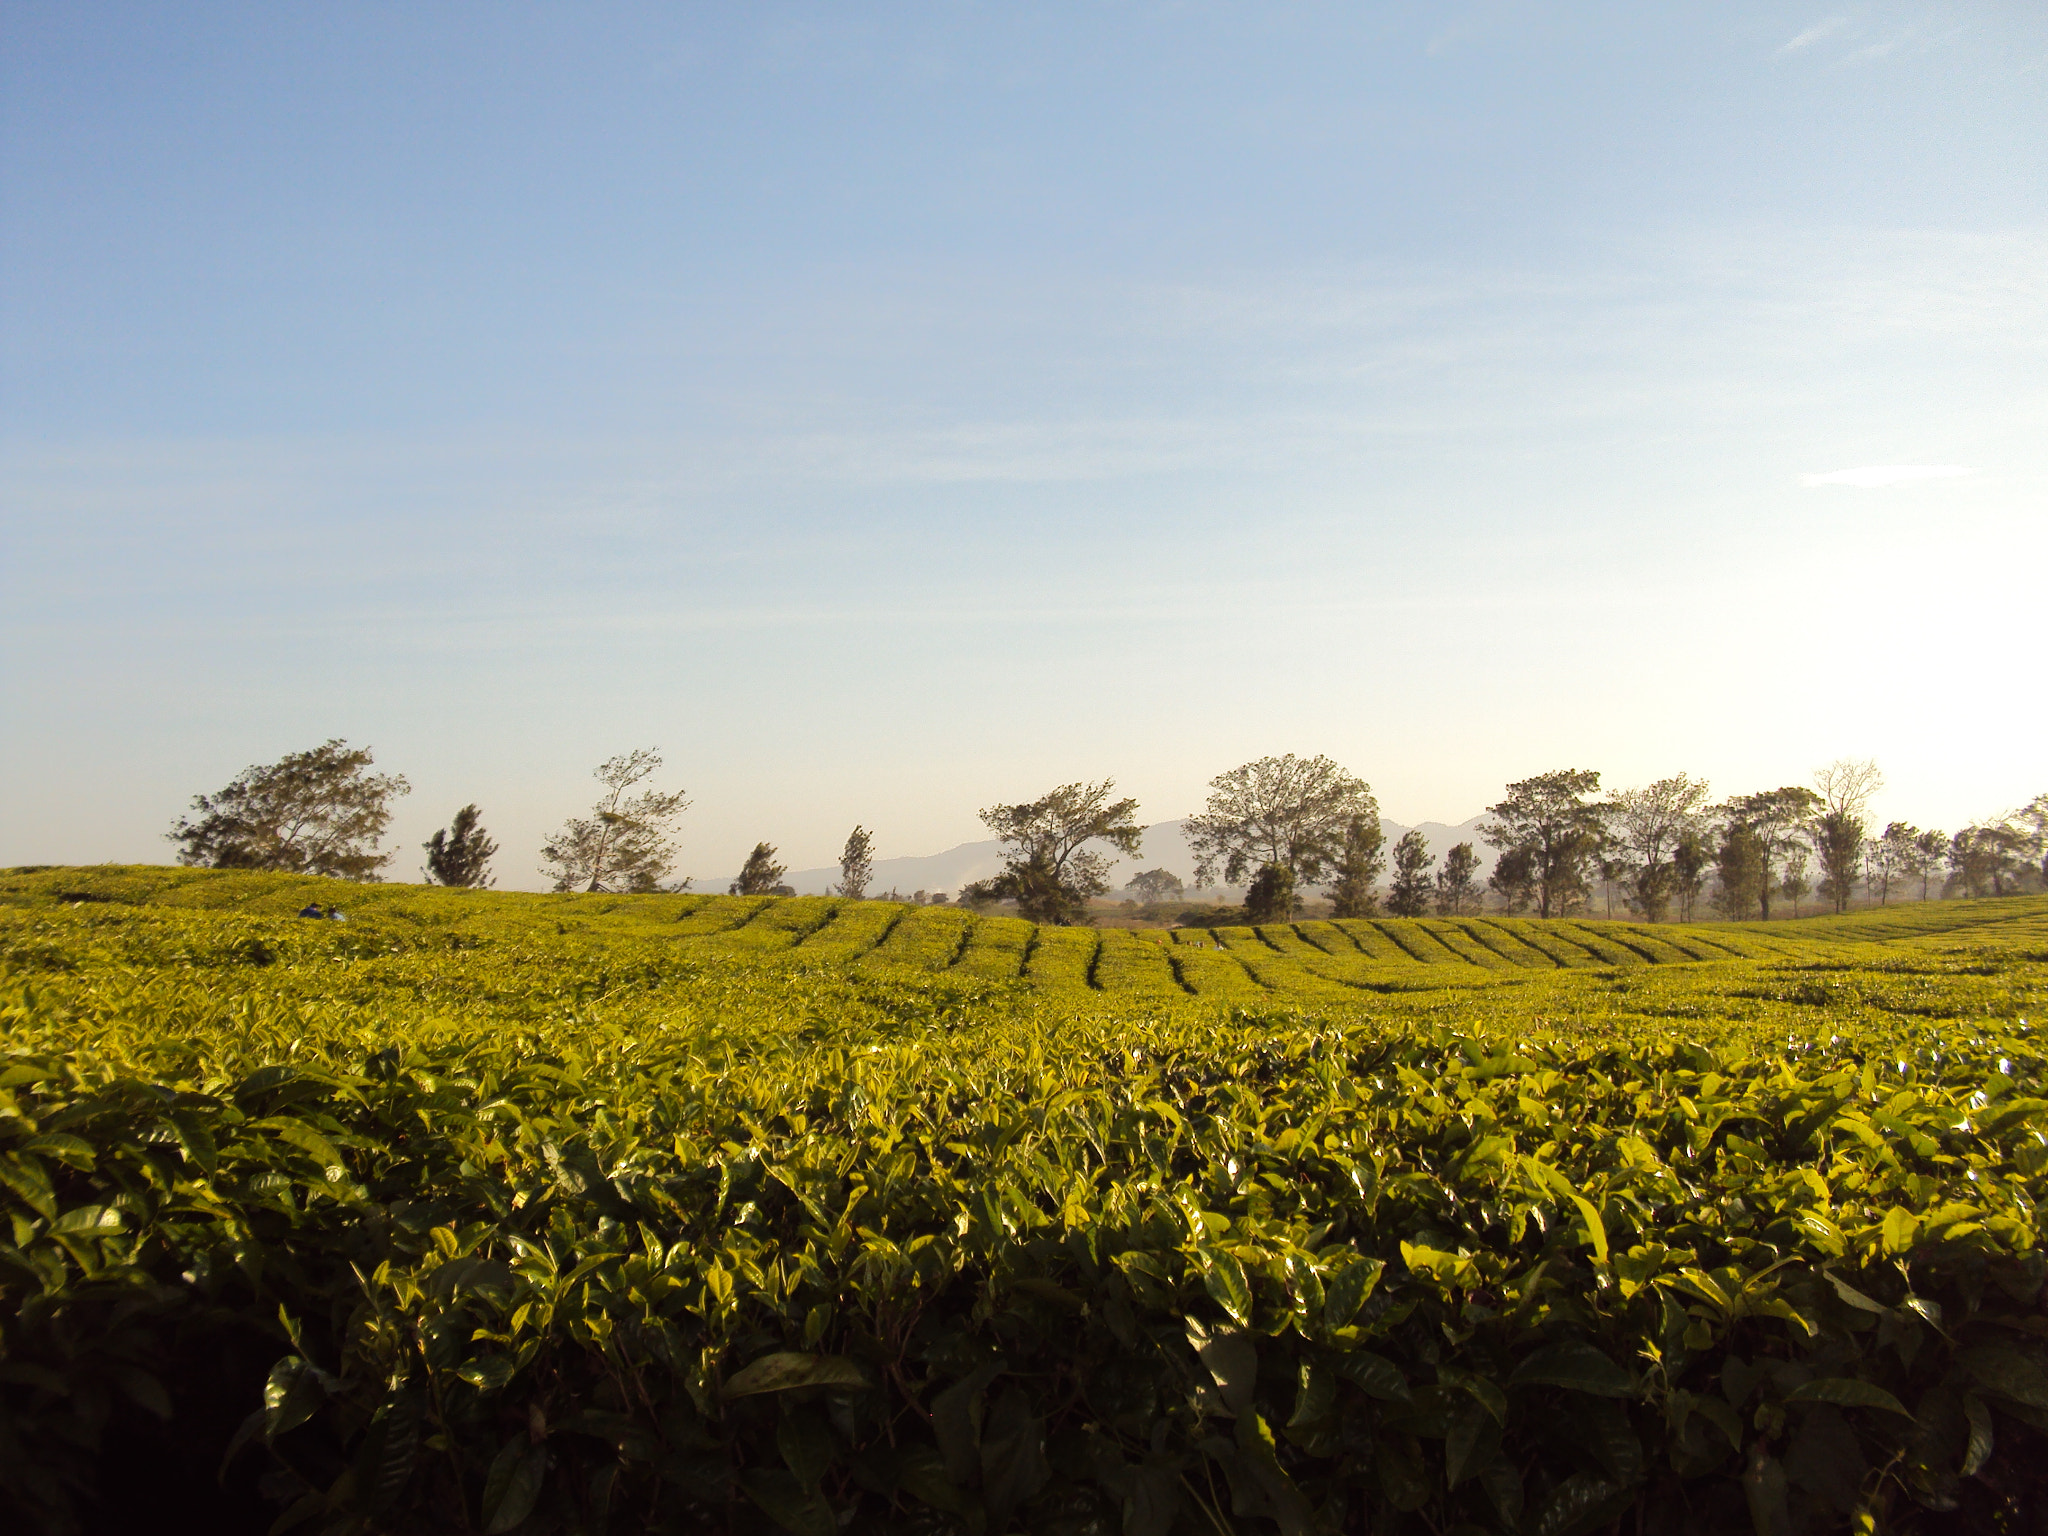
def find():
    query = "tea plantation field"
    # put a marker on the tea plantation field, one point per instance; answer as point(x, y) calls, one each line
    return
point(499, 1213)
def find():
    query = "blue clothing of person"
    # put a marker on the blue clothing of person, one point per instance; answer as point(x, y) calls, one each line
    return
point(311, 911)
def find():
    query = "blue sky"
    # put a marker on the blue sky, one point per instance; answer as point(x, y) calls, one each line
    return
point(891, 412)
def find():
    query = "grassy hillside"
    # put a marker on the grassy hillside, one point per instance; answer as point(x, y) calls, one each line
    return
point(547, 1214)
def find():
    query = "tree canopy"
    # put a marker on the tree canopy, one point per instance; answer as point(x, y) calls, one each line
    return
point(1047, 868)
point(1291, 811)
point(1549, 822)
point(1456, 888)
point(1775, 818)
point(856, 864)
point(320, 812)
point(460, 854)
point(624, 843)
point(1409, 895)
point(1647, 827)
point(761, 875)
point(1155, 885)
point(1354, 877)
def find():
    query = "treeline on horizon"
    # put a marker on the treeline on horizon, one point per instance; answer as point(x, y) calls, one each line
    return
point(1281, 827)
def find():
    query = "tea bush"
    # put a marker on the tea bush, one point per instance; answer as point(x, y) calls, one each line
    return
point(499, 1213)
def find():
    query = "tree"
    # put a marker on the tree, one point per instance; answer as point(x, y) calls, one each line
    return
point(1837, 832)
point(1514, 879)
point(1889, 857)
point(623, 844)
point(1690, 861)
point(1612, 867)
point(1456, 889)
point(1776, 817)
point(760, 875)
point(1270, 896)
point(1287, 810)
point(1930, 848)
point(1742, 866)
point(460, 854)
point(1983, 858)
point(1047, 869)
point(2032, 820)
point(313, 813)
point(1356, 875)
point(856, 864)
point(1838, 844)
point(1793, 884)
point(1156, 885)
point(1549, 818)
point(1847, 784)
point(1648, 824)
point(1409, 895)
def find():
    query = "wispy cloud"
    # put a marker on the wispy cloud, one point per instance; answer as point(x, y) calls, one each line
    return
point(1876, 476)
point(1815, 33)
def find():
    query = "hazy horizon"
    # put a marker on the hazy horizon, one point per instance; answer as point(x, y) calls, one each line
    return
point(892, 415)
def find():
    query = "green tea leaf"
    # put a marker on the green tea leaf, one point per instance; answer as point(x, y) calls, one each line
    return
point(1574, 1365)
point(1224, 1279)
point(783, 1371)
point(514, 1483)
point(1846, 1392)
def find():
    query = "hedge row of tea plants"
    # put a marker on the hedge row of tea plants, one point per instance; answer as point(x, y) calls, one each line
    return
point(862, 1256)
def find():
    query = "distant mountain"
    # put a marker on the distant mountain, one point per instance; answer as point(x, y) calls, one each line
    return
point(1165, 847)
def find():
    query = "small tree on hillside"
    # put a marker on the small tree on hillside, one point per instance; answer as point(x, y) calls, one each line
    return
point(312, 813)
point(1513, 881)
point(1776, 818)
point(1048, 870)
point(1156, 885)
point(856, 864)
point(624, 843)
point(1792, 883)
point(1355, 878)
point(1690, 861)
point(1984, 859)
point(1457, 892)
point(1550, 819)
point(1741, 864)
point(1930, 850)
point(1889, 858)
point(1286, 810)
point(1409, 895)
point(1837, 831)
point(760, 875)
point(460, 854)
point(1270, 896)
point(1647, 826)
point(2032, 819)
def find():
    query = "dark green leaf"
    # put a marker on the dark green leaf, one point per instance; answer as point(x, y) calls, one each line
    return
point(957, 1424)
point(1345, 1291)
point(1376, 1375)
point(383, 1465)
point(781, 1372)
point(1224, 1279)
point(2005, 1371)
point(1013, 1465)
point(1580, 1503)
point(1473, 1442)
point(1232, 1358)
point(1763, 1485)
point(1847, 1392)
point(797, 1509)
point(514, 1483)
point(1574, 1365)
point(292, 1395)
